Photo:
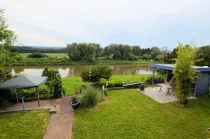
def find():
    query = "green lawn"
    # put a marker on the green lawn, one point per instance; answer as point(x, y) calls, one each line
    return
point(19, 125)
point(71, 82)
point(129, 114)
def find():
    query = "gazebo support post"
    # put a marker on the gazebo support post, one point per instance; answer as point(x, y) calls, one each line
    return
point(23, 104)
point(153, 76)
point(16, 95)
point(37, 91)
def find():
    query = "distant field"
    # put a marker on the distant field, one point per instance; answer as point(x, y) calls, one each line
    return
point(58, 55)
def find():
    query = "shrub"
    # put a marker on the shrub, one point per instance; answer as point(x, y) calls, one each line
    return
point(106, 91)
point(74, 99)
point(54, 82)
point(146, 56)
point(110, 83)
point(184, 74)
point(132, 57)
point(158, 58)
point(37, 55)
point(97, 72)
point(91, 96)
point(58, 89)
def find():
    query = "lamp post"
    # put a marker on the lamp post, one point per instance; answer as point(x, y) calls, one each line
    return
point(90, 73)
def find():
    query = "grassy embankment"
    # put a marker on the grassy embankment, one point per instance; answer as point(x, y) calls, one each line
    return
point(131, 114)
point(70, 83)
point(62, 59)
point(19, 125)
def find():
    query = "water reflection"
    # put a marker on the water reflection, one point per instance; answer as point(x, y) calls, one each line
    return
point(75, 70)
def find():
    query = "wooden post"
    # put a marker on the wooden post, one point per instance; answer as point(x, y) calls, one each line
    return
point(103, 92)
point(153, 76)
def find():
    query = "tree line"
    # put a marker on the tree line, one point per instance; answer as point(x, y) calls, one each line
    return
point(31, 49)
point(92, 51)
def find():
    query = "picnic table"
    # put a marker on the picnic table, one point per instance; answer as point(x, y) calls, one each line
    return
point(168, 87)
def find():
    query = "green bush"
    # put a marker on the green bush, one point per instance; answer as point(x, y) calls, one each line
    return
point(146, 56)
point(158, 58)
point(91, 96)
point(132, 57)
point(106, 91)
point(74, 99)
point(110, 83)
point(37, 55)
point(97, 72)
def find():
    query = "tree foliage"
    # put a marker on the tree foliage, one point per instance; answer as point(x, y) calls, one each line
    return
point(32, 49)
point(155, 51)
point(7, 38)
point(83, 51)
point(121, 52)
point(58, 88)
point(204, 56)
point(37, 55)
point(184, 74)
point(95, 73)
point(54, 82)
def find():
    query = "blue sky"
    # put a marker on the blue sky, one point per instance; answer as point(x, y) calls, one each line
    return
point(145, 23)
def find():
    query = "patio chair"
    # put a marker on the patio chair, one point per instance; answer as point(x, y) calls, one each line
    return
point(168, 85)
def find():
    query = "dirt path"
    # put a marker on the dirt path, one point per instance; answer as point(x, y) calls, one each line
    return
point(60, 125)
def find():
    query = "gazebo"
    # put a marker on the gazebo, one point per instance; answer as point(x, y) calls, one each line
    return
point(24, 81)
point(202, 82)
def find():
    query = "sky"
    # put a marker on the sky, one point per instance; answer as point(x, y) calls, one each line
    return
point(146, 23)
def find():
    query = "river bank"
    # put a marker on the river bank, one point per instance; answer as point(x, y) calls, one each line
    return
point(54, 59)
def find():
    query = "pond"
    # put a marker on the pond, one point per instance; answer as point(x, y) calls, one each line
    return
point(75, 70)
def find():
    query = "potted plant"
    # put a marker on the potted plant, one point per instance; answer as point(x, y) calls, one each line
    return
point(142, 86)
point(75, 103)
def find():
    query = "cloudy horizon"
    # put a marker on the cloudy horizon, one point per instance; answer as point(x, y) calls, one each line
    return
point(146, 23)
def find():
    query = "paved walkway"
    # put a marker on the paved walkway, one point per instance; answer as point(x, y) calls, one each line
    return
point(161, 97)
point(60, 125)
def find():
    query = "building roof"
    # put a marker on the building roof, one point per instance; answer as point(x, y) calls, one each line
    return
point(23, 81)
point(172, 66)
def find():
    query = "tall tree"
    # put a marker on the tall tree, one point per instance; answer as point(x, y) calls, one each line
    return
point(137, 50)
point(7, 38)
point(82, 51)
point(184, 74)
point(155, 51)
point(204, 56)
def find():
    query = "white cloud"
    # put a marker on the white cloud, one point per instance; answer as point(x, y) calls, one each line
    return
point(90, 20)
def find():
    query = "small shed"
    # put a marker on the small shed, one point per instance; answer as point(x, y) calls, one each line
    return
point(202, 83)
point(24, 81)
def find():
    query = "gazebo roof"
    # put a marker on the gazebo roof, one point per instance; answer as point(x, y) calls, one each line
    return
point(172, 66)
point(23, 81)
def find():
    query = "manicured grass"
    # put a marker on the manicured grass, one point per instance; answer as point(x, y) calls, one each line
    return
point(130, 114)
point(19, 125)
point(70, 83)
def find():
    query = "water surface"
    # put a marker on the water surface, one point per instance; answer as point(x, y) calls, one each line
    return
point(75, 70)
